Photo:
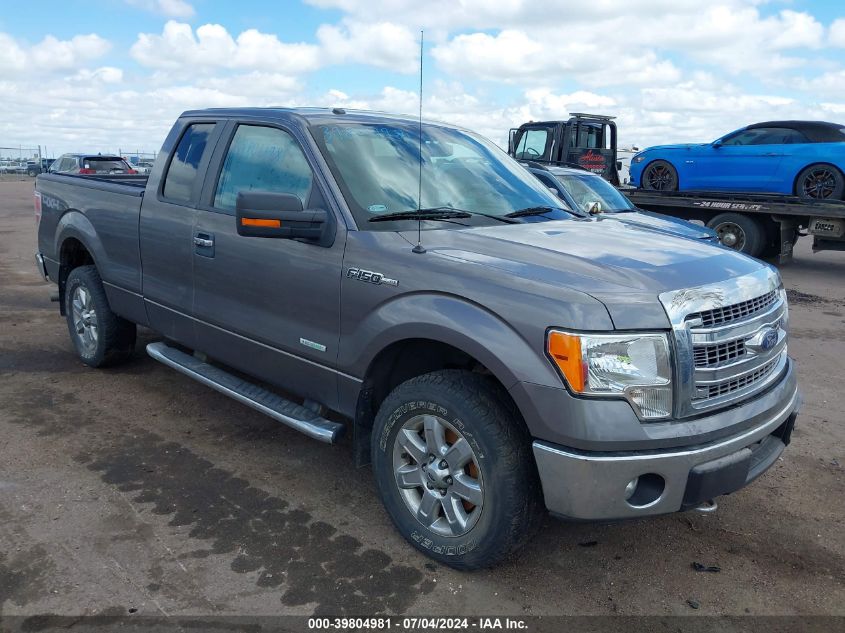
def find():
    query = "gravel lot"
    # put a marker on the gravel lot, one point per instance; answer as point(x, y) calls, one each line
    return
point(138, 490)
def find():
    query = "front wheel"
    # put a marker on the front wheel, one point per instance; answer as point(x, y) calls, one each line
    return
point(454, 469)
point(820, 182)
point(660, 175)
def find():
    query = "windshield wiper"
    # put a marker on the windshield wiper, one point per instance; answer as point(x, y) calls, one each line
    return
point(433, 213)
point(521, 213)
point(438, 213)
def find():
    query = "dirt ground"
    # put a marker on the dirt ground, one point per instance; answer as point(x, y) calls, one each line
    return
point(138, 490)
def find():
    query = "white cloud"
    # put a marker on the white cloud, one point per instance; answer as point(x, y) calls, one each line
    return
point(381, 44)
point(836, 35)
point(212, 47)
point(167, 8)
point(50, 54)
point(670, 70)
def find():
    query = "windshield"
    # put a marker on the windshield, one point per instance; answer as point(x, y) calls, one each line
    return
point(378, 169)
point(589, 189)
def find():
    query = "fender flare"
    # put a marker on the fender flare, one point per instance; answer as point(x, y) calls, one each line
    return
point(459, 323)
point(73, 224)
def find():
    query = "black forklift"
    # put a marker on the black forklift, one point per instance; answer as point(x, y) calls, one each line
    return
point(587, 141)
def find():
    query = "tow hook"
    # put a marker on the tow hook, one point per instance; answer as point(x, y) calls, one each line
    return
point(706, 507)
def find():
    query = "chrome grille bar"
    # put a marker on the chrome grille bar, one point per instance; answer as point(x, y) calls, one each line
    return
point(730, 339)
point(736, 311)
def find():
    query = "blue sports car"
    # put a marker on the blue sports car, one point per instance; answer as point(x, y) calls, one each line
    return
point(802, 158)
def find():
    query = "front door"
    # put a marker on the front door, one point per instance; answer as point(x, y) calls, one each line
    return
point(268, 307)
point(744, 161)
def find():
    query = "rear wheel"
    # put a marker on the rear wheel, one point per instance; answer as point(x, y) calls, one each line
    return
point(454, 469)
point(739, 232)
point(820, 182)
point(660, 176)
point(100, 336)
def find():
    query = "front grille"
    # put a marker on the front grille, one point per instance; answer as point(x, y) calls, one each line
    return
point(719, 354)
point(735, 384)
point(734, 312)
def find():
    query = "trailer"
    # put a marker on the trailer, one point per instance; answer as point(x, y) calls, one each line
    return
point(761, 225)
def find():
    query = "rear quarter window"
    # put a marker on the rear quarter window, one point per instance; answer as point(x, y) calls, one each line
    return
point(182, 172)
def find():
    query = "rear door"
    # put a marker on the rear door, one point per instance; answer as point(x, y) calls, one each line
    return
point(167, 229)
point(592, 145)
point(269, 307)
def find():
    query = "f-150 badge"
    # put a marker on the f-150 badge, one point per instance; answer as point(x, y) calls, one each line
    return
point(370, 277)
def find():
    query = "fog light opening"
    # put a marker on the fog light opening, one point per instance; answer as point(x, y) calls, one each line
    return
point(644, 490)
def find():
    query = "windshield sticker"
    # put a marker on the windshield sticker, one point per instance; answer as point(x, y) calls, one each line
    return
point(377, 208)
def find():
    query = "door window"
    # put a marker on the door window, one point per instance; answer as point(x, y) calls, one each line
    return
point(766, 136)
point(532, 144)
point(182, 172)
point(263, 159)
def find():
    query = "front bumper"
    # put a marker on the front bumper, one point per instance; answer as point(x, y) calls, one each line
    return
point(592, 486)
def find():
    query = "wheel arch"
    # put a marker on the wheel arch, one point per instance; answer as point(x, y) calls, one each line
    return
point(407, 358)
point(76, 245)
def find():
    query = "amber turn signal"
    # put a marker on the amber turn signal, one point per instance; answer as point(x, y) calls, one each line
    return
point(565, 350)
point(273, 224)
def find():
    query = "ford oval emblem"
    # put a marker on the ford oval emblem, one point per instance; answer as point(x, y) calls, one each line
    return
point(763, 341)
point(770, 339)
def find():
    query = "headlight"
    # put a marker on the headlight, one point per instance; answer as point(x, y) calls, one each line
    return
point(633, 366)
point(638, 158)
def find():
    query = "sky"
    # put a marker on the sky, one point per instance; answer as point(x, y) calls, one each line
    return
point(112, 75)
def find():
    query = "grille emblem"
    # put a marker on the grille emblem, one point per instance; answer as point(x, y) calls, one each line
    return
point(763, 341)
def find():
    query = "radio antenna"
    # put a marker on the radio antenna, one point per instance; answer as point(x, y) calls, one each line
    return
point(419, 247)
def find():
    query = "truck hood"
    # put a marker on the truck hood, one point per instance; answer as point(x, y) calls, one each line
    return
point(662, 223)
point(622, 265)
point(674, 146)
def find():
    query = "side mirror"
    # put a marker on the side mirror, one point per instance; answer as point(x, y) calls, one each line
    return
point(618, 165)
point(278, 215)
point(594, 207)
point(716, 144)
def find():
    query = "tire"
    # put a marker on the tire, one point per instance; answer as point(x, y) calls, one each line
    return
point(659, 175)
point(820, 182)
point(492, 495)
point(101, 338)
point(739, 232)
point(31, 173)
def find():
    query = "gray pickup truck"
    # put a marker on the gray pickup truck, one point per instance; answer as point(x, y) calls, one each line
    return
point(489, 352)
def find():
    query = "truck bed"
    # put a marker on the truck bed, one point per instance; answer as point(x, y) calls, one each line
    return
point(105, 210)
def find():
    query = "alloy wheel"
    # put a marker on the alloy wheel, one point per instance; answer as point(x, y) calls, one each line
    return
point(437, 472)
point(85, 319)
point(660, 178)
point(819, 183)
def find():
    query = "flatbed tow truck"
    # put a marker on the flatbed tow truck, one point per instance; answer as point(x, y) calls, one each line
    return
point(761, 225)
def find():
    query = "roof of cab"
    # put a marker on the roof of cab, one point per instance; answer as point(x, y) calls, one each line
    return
point(310, 116)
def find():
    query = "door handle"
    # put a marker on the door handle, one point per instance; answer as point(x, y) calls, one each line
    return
point(203, 242)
